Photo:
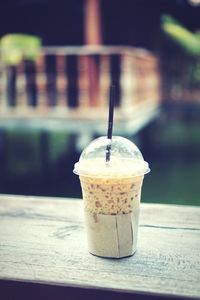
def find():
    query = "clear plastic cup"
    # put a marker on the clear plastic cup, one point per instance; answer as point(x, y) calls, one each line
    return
point(111, 193)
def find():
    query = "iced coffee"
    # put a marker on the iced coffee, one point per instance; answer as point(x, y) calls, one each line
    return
point(111, 193)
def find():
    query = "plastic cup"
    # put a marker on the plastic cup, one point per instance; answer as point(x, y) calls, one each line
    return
point(111, 193)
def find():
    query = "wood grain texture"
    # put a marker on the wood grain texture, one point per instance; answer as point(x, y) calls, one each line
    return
point(42, 240)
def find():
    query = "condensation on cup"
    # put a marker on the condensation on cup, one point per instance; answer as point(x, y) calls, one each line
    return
point(111, 193)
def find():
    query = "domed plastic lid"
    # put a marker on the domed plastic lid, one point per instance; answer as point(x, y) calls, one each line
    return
point(125, 159)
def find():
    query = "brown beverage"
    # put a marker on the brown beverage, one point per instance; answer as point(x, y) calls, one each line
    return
point(111, 194)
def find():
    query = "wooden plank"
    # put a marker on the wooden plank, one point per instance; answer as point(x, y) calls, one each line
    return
point(42, 240)
point(84, 120)
point(28, 290)
point(96, 49)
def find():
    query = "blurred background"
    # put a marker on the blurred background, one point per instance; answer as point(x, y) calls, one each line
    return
point(58, 60)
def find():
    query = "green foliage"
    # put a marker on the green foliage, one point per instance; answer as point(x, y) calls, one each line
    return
point(180, 57)
point(187, 40)
point(15, 47)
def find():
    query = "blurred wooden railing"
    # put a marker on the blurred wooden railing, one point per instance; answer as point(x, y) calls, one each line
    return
point(72, 83)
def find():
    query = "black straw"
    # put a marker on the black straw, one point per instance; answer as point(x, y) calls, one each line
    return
point(110, 121)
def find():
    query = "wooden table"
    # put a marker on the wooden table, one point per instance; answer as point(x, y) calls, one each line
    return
point(43, 253)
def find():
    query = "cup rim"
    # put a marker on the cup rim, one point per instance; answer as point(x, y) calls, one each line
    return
point(111, 175)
